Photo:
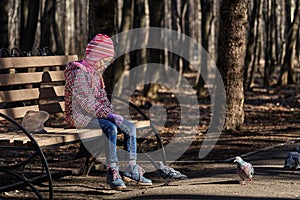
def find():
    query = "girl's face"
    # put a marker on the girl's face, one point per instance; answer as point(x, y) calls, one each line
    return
point(102, 64)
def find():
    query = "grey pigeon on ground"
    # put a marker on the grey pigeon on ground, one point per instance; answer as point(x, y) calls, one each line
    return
point(245, 169)
point(292, 161)
point(168, 173)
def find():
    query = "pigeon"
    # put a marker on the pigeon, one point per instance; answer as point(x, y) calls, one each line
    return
point(168, 173)
point(292, 161)
point(245, 170)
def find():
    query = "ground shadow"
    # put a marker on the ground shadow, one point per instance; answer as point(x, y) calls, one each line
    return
point(204, 197)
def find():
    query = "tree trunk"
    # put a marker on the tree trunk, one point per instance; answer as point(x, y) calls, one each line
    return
point(102, 14)
point(298, 50)
point(156, 9)
point(139, 56)
point(4, 24)
point(46, 22)
point(287, 75)
point(174, 59)
point(256, 52)
point(14, 23)
point(206, 25)
point(120, 64)
point(30, 24)
point(250, 50)
point(268, 42)
point(81, 24)
point(232, 41)
point(138, 21)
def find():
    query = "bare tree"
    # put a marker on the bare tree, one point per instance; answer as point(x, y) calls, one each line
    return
point(232, 41)
point(81, 30)
point(30, 14)
point(46, 22)
point(287, 75)
point(268, 53)
point(252, 55)
point(4, 23)
point(251, 42)
point(14, 10)
point(139, 57)
point(156, 9)
point(125, 25)
point(206, 26)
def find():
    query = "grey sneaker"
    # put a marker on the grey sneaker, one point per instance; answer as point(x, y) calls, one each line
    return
point(114, 179)
point(135, 174)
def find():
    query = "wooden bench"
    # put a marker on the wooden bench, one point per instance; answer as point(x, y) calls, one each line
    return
point(36, 83)
point(36, 90)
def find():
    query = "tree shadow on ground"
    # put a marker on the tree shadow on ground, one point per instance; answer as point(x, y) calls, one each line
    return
point(204, 197)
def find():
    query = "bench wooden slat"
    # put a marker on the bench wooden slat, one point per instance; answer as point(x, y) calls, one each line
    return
point(31, 94)
point(35, 61)
point(19, 112)
point(30, 78)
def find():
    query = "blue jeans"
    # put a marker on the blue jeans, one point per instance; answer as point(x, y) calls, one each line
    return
point(111, 131)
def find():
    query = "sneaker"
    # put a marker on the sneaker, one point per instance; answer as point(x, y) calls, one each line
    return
point(135, 174)
point(114, 179)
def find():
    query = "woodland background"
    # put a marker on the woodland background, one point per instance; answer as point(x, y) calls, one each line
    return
point(255, 43)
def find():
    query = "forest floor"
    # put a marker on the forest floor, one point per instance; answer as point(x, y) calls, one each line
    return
point(272, 129)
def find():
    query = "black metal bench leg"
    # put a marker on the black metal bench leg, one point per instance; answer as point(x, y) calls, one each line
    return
point(12, 169)
point(88, 165)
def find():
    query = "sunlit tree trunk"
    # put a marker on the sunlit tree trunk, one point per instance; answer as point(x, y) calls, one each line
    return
point(14, 10)
point(233, 28)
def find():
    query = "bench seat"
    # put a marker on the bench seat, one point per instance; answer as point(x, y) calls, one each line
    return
point(56, 136)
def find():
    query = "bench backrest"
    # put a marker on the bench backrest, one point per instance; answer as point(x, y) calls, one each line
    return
point(32, 83)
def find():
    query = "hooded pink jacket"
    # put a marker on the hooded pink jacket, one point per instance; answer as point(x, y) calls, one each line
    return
point(85, 96)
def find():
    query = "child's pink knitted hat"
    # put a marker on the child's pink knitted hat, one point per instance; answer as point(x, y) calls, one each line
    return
point(101, 46)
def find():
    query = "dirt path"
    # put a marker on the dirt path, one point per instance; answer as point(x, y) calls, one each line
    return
point(207, 180)
point(221, 182)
